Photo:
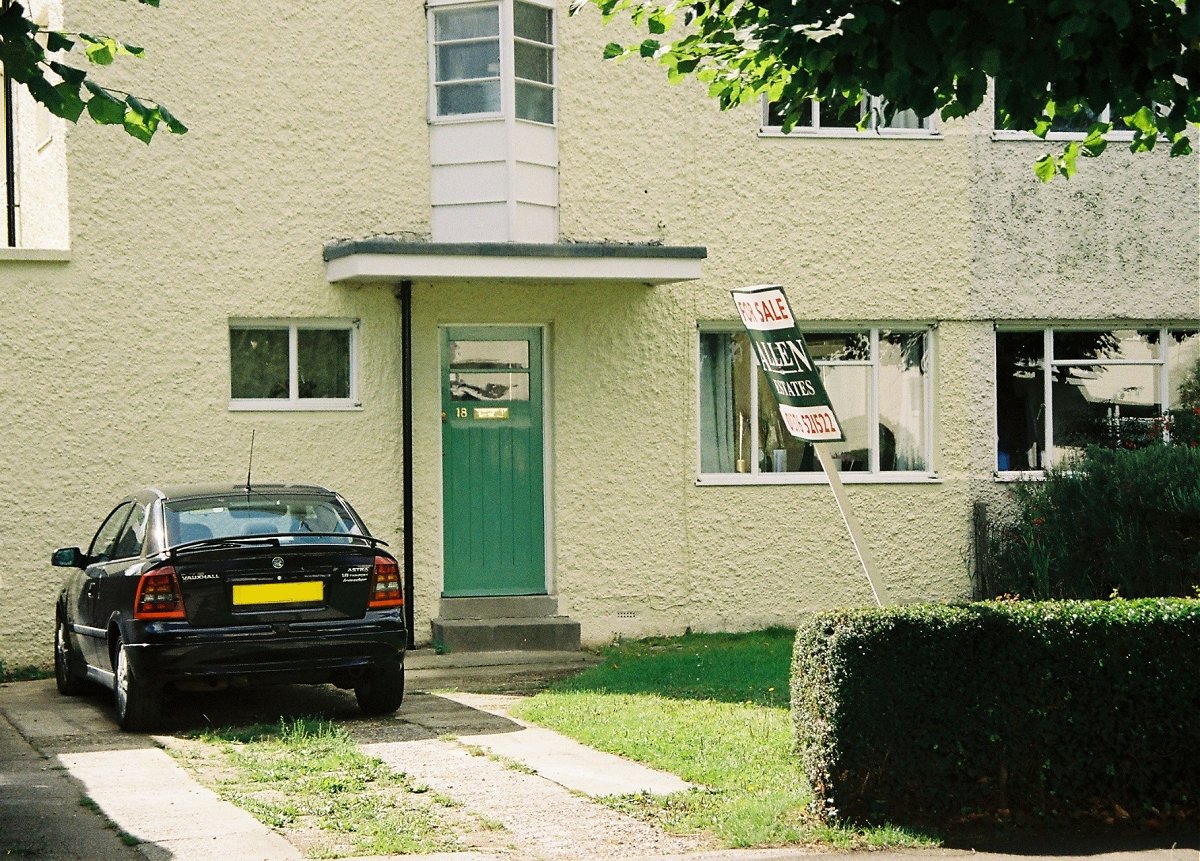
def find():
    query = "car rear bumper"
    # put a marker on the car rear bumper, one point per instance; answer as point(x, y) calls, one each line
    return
point(166, 653)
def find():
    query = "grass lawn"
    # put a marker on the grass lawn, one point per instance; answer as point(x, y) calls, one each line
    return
point(713, 709)
point(308, 778)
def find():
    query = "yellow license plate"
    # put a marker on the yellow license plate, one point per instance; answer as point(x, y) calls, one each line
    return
point(308, 592)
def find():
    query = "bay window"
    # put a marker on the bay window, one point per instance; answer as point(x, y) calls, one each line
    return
point(492, 59)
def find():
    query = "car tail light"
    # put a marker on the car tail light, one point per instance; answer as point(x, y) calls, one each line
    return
point(158, 595)
point(385, 585)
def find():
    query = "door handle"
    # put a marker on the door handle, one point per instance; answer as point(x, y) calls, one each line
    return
point(443, 416)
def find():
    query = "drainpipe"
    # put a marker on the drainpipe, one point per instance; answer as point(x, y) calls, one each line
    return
point(406, 376)
point(10, 162)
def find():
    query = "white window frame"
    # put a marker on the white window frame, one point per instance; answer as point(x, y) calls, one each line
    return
point(1049, 362)
point(552, 86)
point(508, 78)
point(873, 475)
point(43, 132)
point(294, 402)
point(870, 103)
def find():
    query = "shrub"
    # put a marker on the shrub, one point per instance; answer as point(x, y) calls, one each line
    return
point(1004, 711)
point(1117, 520)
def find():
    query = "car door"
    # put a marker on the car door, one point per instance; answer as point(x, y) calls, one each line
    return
point(90, 628)
point(116, 589)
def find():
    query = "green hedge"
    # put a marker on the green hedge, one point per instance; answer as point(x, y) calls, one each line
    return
point(1002, 711)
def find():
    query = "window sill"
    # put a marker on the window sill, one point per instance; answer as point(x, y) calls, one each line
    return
point(1009, 135)
point(1019, 475)
point(36, 255)
point(791, 478)
point(459, 119)
point(305, 406)
point(851, 134)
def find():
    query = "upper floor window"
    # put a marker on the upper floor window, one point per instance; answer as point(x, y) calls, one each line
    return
point(838, 118)
point(293, 365)
point(1060, 390)
point(879, 381)
point(1067, 128)
point(466, 44)
point(493, 59)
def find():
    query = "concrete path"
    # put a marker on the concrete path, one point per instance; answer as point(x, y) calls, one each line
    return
point(551, 755)
point(154, 800)
point(542, 819)
point(40, 811)
point(133, 783)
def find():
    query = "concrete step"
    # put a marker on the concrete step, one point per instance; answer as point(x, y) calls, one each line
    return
point(500, 607)
point(554, 633)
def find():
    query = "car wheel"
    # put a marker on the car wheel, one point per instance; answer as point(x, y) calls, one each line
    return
point(67, 677)
point(138, 705)
point(382, 692)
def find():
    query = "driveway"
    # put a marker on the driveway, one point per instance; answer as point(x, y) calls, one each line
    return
point(56, 751)
point(69, 749)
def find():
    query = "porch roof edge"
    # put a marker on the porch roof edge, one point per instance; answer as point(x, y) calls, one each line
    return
point(388, 259)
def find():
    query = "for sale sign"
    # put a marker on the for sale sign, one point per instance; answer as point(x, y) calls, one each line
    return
point(784, 358)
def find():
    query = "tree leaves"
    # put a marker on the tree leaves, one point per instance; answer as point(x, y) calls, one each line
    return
point(56, 42)
point(174, 126)
point(104, 107)
point(1054, 62)
point(101, 50)
point(26, 49)
point(139, 119)
point(72, 104)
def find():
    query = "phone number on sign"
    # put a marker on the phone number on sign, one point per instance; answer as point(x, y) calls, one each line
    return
point(812, 424)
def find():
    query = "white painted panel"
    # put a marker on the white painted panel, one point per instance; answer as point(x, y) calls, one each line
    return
point(471, 222)
point(469, 183)
point(535, 223)
point(536, 183)
point(536, 143)
point(465, 142)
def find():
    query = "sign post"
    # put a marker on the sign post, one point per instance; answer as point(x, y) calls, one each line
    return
point(800, 395)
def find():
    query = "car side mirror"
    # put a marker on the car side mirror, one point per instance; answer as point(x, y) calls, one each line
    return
point(69, 557)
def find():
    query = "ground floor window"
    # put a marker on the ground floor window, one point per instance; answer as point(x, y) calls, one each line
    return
point(1059, 390)
point(277, 364)
point(878, 380)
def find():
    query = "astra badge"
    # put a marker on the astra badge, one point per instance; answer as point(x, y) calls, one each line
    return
point(277, 562)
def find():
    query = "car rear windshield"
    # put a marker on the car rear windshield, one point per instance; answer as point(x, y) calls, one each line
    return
point(257, 513)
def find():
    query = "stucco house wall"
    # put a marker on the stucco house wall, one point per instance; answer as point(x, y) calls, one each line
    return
point(115, 368)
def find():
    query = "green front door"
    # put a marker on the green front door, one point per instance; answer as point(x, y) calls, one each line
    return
point(493, 515)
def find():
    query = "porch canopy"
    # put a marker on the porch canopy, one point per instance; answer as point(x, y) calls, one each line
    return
point(393, 260)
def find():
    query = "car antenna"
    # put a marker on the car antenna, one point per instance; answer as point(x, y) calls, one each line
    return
point(250, 465)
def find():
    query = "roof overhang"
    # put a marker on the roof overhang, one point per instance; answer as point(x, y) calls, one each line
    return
point(391, 260)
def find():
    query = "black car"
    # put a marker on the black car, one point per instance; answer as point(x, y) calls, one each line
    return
point(209, 587)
